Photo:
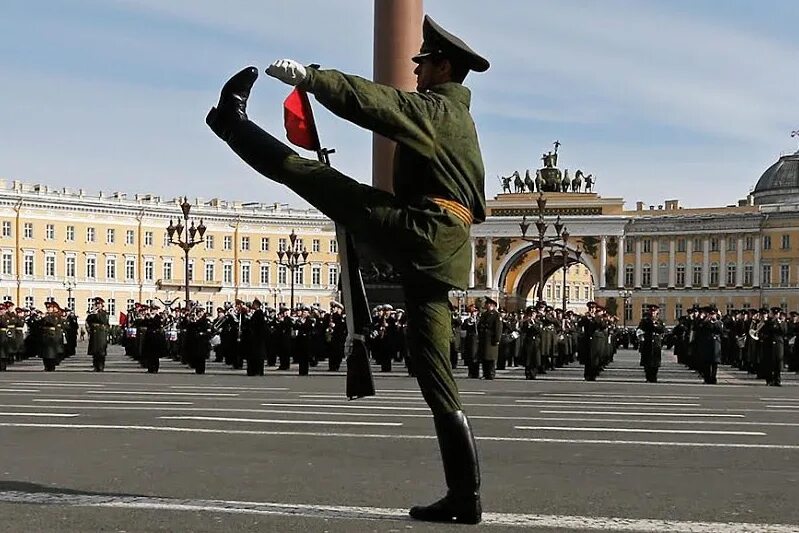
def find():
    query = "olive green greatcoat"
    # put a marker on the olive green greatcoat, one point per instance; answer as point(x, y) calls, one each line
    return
point(97, 324)
point(489, 330)
point(52, 337)
point(437, 155)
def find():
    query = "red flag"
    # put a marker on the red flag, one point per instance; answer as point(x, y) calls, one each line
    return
point(299, 122)
point(123, 319)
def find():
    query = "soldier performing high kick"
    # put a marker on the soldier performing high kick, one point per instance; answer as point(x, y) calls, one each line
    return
point(422, 228)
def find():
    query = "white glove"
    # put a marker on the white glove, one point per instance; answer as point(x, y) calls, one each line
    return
point(287, 70)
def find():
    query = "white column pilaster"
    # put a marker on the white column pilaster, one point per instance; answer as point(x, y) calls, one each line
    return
point(603, 260)
point(672, 263)
point(739, 269)
point(638, 263)
point(723, 262)
point(706, 262)
point(756, 268)
point(655, 265)
point(620, 263)
point(689, 262)
point(474, 262)
point(489, 263)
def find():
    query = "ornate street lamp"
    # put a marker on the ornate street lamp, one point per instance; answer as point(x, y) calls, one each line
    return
point(625, 295)
point(194, 235)
point(70, 285)
point(294, 258)
point(541, 242)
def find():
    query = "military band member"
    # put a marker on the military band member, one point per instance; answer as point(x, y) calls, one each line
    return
point(489, 330)
point(652, 329)
point(97, 324)
point(531, 342)
point(470, 342)
point(337, 332)
point(51, 336)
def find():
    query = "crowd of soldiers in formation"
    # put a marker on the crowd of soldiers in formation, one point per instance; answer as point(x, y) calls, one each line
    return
point(540, 338)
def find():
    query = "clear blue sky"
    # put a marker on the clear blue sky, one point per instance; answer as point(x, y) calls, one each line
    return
point(683, 99)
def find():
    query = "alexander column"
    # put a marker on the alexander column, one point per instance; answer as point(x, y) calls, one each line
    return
point(397, 38)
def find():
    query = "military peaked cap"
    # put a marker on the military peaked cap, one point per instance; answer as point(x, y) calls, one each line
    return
point(438, 41)
point(334, 303)
point(490, 300)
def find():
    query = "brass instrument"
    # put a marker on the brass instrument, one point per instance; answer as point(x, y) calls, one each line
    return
point(755, 332)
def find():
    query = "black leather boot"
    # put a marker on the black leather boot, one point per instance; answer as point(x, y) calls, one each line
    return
point(232, 106)
point(461, 470)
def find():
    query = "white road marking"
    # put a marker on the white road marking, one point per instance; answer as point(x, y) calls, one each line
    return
point(56, 384)
point(637, 404)
point(639, 430)
point(20, 390)
point(632, 413)
point(370, 399)
point(463, 393)
point(341, 512)
point(280, 421)
point(143, 402)
point(602, 395)
point(54, 415)
point(143, 393)
point(172, 429)
point(349, 406)
point(206, 387)
point(787, 407)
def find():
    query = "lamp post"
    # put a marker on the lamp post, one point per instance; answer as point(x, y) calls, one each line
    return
point(293, 259)
point(69, 285)
point(274, 291)
point(625, 295)
point(541, 241)
point(187, 242)
point(458, 295)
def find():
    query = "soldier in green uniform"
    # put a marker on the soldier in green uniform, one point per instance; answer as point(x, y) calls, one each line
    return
point(489, 334)
point(422, 229)
point(97, 324)
point(652, 329)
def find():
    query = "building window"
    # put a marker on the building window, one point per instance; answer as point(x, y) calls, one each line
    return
point(714, 244)
point(281, 245)
point(91, 235)
point(209, 307)
point(6, 228)
point(628, 310)
point(27, 230)
point(680, 276)
point(28, 265)
point(110, 236)
point(786, 242)
point(209, 242)
point(111, 268)
point(8, 263)
point(586, 295)
point(767, 242)
point(333, 248)
point(732, 244)
point(130, 269)
point(264, 244)
point(698, 246)
point(227, 242)
point(749, 242)
point(71, 303)
point(148, 238)
point(714, 274)
point(149, 270)
point(227, 273)
point(129, 237)
point(663, 245)
point(663, 275)
point(749, 275)
point(731, 273)
point(629, 275)
point(315, 245)
point(245, 274)
point(677, 311)
point(49, 266)
point(299, 276)
point(647, 246)
point(696, 279)
point(49, 232)
point(646, 276)
point(785, 275)
point(111, 306)
point(332, 275)
point(167, 271)
point(282, 275)
point(70, 269)
point(29, 302)
point(316, 275)
point(765, 279)
point(130, 303)
point(245, 244)
point(557, 292)
point(264, 274)
point(680, 245)
point(91, 267)
point(209, 272)
point(549, 292)
point(70, 233)
point(167, 240)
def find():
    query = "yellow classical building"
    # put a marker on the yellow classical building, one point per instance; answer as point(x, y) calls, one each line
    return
point(70, 246)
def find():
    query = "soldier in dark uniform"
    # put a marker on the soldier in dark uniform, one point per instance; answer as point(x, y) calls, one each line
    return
point(772, 336)
point(531, 342)
point(256, 333)
point(489, 333)
point(304, 339)
point(198, 339)
point(51, 336)
point(97, 324)
point(6, 354)
point(652, 330)
point(70, 333)
point(470, 342)
point(337, 331)
point(422, 228)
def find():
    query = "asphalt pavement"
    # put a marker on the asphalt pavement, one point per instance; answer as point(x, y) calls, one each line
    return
point(124, 450)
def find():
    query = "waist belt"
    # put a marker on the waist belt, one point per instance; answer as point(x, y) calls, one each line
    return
point(454, 208)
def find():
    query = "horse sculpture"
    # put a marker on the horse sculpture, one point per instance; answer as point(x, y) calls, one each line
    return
point(565, 184)
point(589, 183)
point(528, 181)
point(518, 182)
point(539, 181)
point(506, 183)
point(577, 181)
